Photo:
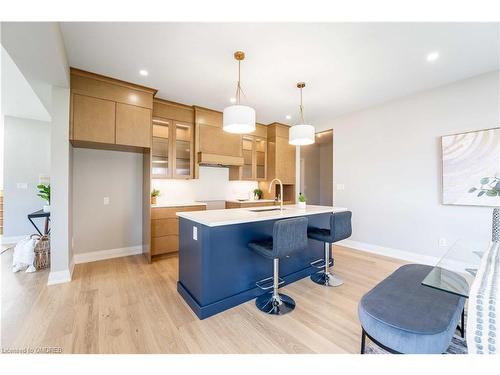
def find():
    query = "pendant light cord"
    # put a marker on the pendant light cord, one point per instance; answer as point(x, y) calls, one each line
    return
point(238, 87)
point(301, 108)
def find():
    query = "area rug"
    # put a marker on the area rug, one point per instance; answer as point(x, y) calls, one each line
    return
point(458, 346)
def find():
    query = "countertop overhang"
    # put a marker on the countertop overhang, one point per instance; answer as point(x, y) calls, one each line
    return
point(215, 218)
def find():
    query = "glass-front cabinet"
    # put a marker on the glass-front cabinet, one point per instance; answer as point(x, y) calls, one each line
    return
point(260, 158)
point(254, 160)
point(172, 154)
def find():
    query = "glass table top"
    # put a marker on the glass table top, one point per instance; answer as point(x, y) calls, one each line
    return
point(456, 270)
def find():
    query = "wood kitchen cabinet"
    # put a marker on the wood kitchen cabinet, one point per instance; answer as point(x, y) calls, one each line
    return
point(133, 125)
point(249, 204)
point(173, 151)
point(254, 168)
point(93, 119)
point(165, 228)
point(108, 113)
point(212, 144)
point(281, 155)
point(254, 151)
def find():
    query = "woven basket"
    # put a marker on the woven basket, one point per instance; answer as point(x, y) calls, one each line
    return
point(42, 252)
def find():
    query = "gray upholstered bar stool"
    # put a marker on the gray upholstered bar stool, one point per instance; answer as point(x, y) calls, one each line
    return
point(289, 235)
point(340, 229)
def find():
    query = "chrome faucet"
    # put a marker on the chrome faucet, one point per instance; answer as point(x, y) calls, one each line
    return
point(281, 191)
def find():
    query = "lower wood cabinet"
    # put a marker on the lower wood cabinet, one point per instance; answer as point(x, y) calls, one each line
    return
point(165, 228)
point(245, 205)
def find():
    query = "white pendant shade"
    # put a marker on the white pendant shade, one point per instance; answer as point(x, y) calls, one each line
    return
point(239, 119)
point(301, 135)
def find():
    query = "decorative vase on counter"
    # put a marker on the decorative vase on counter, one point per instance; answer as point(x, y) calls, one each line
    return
point(153, 200)
point(495, 229)
point(302, 205)
point(46, 208)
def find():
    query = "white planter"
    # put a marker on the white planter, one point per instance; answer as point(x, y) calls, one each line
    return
point(46, 208)
point(302, 205)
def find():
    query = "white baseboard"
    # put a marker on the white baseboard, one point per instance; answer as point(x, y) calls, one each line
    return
point(390, 252)
point(59, 277)
point(12, 239)
point(106, 254)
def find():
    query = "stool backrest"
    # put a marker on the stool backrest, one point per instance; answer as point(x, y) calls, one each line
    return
point(289, 235)
point(340, 225)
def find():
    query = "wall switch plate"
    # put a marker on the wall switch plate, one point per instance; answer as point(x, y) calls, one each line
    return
point(340, 187)
point(22, 185)
point(195, 233)
point(106, 201)
point(443, 242)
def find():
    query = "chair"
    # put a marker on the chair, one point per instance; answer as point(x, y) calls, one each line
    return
point(289, 235)
point(340, 229)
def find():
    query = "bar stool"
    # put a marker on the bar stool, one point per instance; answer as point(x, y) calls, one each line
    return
point(289, 235)
point(340, 229)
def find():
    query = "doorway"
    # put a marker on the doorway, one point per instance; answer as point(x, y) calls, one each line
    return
point(316, 170)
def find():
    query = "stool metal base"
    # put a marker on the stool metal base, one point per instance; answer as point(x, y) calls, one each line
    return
point(326, 279)
point(275, 305)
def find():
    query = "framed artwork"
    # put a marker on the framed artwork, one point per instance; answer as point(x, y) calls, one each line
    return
point(471, 168)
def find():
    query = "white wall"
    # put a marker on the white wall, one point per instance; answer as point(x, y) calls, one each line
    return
point(389, 159)
point(212, 184)
point(60, 184)
point(27, 156)
point(118, 176)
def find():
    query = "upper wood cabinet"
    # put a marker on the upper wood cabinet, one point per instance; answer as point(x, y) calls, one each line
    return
point(173, 137)
point(93, 119)
point(109, 113)
point(281, 155)
point(254, 166)
point(133, 125)
point(212, 143)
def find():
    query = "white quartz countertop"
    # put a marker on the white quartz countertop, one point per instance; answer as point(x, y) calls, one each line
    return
point(250, 201)
point(177, 204)
point(215, 218)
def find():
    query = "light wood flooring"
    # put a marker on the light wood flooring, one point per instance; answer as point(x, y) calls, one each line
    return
point(125, 305)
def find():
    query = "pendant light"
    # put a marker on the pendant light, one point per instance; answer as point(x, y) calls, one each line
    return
point(301, 134)
point(237, 118)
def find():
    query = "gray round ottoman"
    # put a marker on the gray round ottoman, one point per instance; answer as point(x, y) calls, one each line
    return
point(403, 316)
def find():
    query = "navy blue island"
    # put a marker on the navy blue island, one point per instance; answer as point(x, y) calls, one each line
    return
point(218, 271)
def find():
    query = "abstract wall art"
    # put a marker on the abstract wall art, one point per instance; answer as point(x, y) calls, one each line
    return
point(471, 168)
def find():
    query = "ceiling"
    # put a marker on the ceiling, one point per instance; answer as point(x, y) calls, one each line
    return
point(346, 66)
point(18, 97)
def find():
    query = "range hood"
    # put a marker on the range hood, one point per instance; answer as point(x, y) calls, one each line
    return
point(216, 160)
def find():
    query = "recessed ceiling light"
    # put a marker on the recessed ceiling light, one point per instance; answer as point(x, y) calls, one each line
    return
point(143, 72)
point(232, 100)
point(433, 56)
point(288, 117)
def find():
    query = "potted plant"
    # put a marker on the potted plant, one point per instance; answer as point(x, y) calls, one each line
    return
point(44, 193)
point(302, 201)
point(154, 194)
point(257, 194)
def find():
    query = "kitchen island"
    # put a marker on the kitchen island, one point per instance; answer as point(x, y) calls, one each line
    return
point(218, 271)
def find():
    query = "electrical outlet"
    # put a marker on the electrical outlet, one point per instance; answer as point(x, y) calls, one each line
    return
point(195, 233)
point(22, 185)
point(340, 187)
point(106, 201)
point(443, 242)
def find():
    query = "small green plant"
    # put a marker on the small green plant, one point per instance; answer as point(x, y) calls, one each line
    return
point(258, 193)
point(302, 198)
point(489, 186)
point(44, 192)
point(155, 193)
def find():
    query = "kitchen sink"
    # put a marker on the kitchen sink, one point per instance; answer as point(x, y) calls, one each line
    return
point(266, 209)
